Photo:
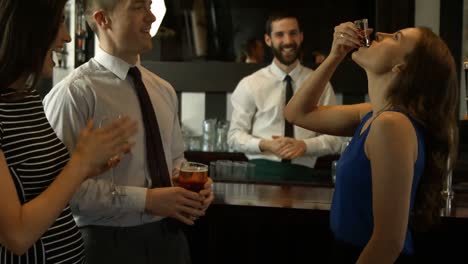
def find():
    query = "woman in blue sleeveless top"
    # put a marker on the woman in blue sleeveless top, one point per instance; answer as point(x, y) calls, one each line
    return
point(390, 177)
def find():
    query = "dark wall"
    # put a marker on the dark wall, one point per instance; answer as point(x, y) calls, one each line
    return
point(451, 28)
point(231, 22)
point(394, 15)
point(317, 19)
point(218, 76)
point(209, 76)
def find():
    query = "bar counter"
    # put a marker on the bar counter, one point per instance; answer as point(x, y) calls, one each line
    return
point(266, 223)
point(311, 197)
point(271, 219)
point(310, 189)
point(267, 195)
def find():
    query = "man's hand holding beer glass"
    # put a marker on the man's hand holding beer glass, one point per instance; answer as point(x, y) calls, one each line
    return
point(194, 177)
point(180, 202)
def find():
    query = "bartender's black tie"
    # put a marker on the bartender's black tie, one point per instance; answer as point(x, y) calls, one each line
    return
point(288, 127)
point(154, 148)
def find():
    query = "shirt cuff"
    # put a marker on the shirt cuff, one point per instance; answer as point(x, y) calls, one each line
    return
point(253, 145)
point(316, 147)
point(135, 197)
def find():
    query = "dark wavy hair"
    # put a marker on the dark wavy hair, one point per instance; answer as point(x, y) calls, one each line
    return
point(27, 30)
point(279, 15)
point(427, 89)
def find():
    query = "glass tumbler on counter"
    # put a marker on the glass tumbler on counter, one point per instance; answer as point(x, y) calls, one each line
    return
point(212, 170)
point(232, 170)
point(222, 130)
point(195, 143)
point(239, 170)
point(362, 25)
point(209, 134)
point(223, 169)
point(343, 147)
point(250, 170)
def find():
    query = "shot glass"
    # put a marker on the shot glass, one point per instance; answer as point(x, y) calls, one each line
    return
point(250, 170)
point(333, 171)
point(195, 143)
point(362, 25)
point(223, 169)
point(212, 170)
point(239, 170)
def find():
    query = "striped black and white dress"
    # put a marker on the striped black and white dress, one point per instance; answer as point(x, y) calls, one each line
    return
point(35, 156)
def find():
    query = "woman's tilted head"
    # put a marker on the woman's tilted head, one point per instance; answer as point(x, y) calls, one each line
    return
point(388, 52)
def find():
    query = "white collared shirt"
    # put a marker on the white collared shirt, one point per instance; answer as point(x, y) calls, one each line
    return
point(101, 88)
point(258, 103)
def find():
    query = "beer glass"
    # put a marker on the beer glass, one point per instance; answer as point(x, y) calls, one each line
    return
point(362, 25)
point(192, 176)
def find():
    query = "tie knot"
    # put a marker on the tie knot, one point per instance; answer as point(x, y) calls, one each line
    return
point(134, 72)
point(288, 78)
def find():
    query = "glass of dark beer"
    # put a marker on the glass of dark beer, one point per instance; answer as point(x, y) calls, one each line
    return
point(192, 176)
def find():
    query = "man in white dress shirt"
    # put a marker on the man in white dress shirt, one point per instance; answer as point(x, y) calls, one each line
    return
point(258, 127)
point(126, 217)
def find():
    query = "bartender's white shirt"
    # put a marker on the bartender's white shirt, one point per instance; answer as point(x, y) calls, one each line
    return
point(258, 102)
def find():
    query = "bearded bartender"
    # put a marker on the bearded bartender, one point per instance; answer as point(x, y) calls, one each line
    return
point(258, 127)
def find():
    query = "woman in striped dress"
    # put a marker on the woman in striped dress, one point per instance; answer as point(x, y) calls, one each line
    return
point(37, 175)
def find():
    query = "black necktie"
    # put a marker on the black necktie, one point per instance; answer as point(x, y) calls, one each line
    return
point(288, 127)
point(154, 148)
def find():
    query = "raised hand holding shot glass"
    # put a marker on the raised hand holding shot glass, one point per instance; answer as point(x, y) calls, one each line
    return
point(362, 25)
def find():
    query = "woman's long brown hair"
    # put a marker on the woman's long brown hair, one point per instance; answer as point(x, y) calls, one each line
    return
point(427, 90)
point(27, 31)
